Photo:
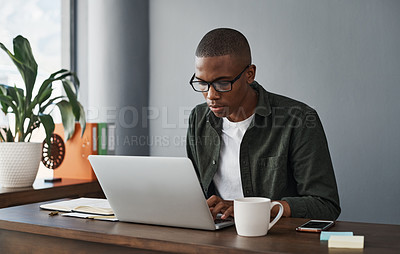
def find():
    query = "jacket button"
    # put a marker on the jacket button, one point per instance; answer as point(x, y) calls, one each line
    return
point(214, 162)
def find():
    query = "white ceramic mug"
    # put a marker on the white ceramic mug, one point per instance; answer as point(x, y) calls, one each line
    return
point(252, 215)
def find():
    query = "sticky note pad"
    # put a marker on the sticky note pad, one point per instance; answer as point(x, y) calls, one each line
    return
point(326, 234)
point(342, 241)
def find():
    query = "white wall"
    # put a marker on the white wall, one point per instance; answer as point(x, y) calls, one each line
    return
point(340, 57)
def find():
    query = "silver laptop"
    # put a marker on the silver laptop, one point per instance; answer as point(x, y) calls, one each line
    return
point(154, 190)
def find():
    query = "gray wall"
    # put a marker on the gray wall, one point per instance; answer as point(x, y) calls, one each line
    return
point(113, 66)
point(340, 57)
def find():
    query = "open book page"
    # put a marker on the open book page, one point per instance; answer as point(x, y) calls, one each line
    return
point(91, 216)
point(98, 206)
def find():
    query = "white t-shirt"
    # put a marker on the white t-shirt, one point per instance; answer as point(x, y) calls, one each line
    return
point(227, 180)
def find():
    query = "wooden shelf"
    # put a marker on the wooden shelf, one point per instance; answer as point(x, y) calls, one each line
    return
point(41, 191)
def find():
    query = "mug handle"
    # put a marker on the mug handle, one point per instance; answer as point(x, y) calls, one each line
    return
point(278, 216)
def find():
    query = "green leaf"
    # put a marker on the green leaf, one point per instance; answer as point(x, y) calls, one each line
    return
point(49, 82)
point(67, 74)
point(9, 102)
point(3, 137)
point(4, 106)
point(82, 119)
point(43, 108)
point(76, 83)
point(3, 89)
point(25, 62)
point(32, 125)
point(45, 95)
point(58, 72)
point(68, 119)
point(23, 52)
point(10, 137)
point(68, 86)
point(48, 124)
point(14, 93)
point(52, 78)
point(21, 108)
point(20, 95)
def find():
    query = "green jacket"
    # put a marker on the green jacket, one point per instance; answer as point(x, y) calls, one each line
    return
point(283, 155)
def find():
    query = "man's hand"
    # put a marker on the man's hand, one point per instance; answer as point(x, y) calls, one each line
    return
point(286, 209)
point(218, 205)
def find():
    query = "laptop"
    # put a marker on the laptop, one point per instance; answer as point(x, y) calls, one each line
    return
point(155, 190)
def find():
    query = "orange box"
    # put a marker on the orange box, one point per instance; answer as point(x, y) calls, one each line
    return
point(77, 149)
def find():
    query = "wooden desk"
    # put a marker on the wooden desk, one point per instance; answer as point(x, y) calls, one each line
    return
point(29, 229)
point(41, 191)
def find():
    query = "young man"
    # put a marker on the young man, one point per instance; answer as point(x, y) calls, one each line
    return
point(245, 141)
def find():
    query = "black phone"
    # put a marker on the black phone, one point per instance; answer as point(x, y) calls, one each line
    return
point(315, 226)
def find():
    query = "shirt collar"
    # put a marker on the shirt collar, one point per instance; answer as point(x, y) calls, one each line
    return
point(263, 107)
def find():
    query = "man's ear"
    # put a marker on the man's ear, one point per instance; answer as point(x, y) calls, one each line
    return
point(251, 74)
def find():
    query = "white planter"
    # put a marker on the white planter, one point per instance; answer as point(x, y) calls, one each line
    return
point(19, 163)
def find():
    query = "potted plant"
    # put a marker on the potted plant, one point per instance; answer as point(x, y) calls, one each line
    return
point(20, 158)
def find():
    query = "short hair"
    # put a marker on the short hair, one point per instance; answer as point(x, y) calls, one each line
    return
point(224, 41)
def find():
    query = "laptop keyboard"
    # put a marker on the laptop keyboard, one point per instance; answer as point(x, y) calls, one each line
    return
point(217, 221)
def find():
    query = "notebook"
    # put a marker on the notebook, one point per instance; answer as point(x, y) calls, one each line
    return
point(97, 206)
point(154, 190)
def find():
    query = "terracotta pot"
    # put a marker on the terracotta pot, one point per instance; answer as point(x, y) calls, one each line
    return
point(19, 163)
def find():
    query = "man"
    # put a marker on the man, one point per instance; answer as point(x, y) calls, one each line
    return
point(245, 141)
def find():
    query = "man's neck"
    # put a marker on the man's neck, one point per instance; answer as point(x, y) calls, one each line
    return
point(249, 105)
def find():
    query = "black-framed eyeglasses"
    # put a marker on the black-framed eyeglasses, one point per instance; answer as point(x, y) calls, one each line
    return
point(219, 85)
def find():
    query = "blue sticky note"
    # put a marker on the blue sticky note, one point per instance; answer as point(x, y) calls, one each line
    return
point(326, 234)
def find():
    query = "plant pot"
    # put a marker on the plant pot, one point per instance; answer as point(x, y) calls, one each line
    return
point(19, 163)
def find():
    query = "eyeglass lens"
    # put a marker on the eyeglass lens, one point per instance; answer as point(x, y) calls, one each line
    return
point(220, 86)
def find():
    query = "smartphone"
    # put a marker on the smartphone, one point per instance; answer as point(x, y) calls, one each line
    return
point(315, 225)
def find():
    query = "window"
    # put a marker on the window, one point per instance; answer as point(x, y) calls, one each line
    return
point(40, 22)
